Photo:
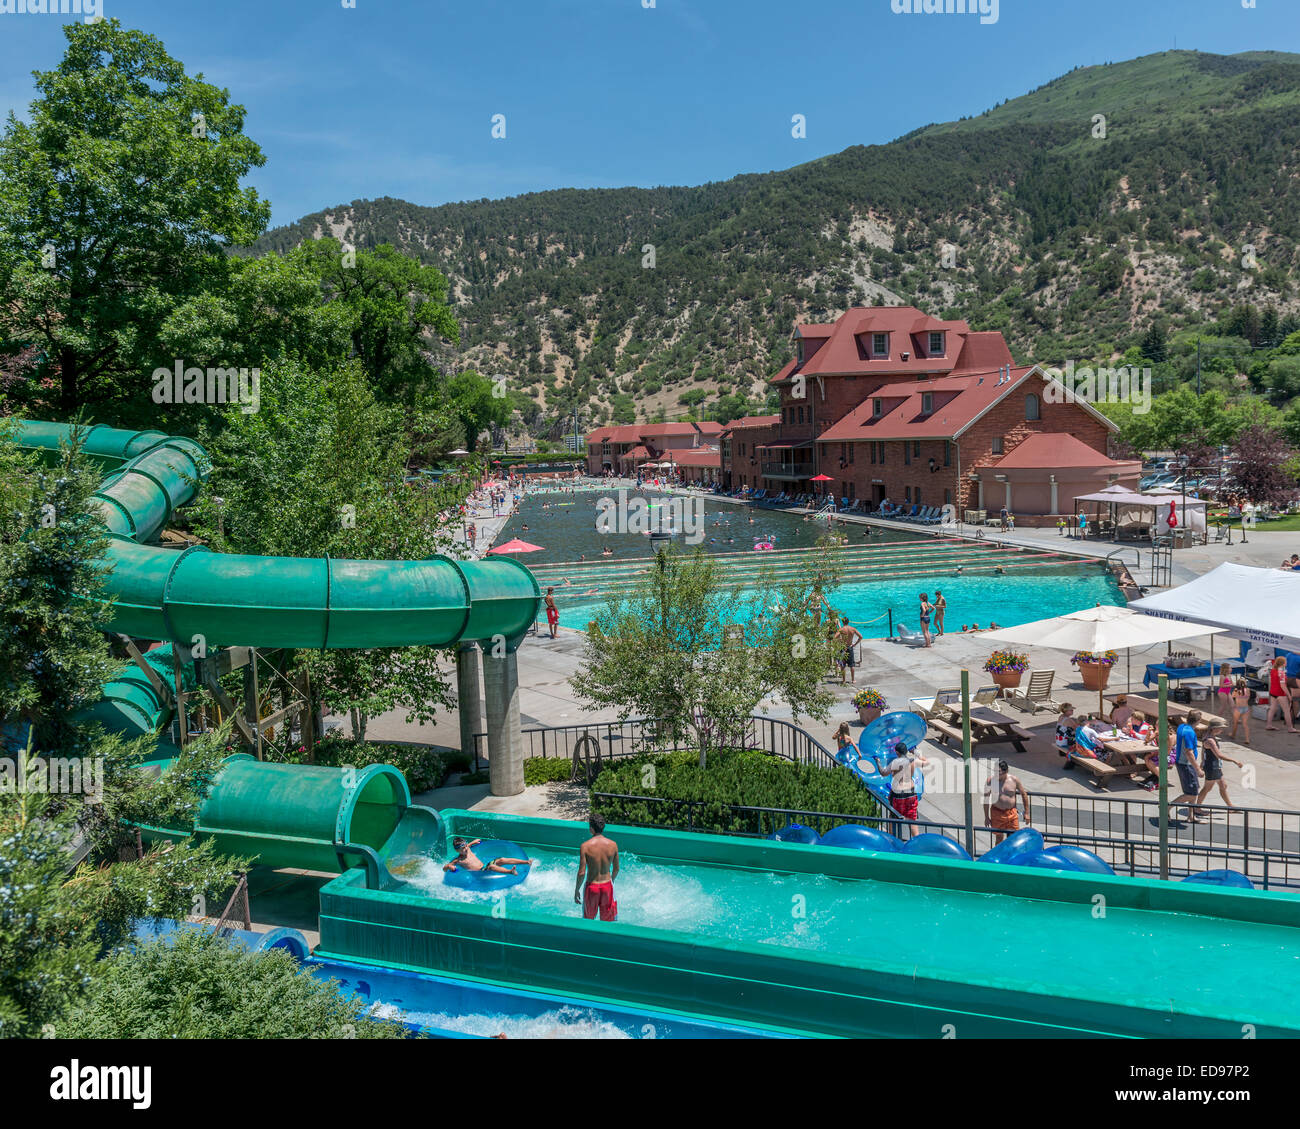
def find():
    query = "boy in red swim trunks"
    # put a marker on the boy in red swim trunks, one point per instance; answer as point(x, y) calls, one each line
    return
point(598, 865)
point(552, 612)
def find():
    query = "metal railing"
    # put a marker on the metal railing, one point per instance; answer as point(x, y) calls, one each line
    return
point(746, 821)
point(643, 735)
point(787, 470)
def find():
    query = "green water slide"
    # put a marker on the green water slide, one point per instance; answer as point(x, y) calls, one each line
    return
point(228, 599)
point(314, 817)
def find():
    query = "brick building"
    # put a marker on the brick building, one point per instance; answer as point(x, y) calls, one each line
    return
point(895, 405)
point(623, 449)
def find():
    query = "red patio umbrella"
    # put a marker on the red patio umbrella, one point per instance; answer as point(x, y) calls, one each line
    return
point(822, 478)
point(516, 546)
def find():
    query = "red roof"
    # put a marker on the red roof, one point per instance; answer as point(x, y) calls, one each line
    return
point(752, 422)
point(1054, 449)
point(958, 401)
point(848, 349)
point(649, 432)
point(698, 457)
point(637, 453)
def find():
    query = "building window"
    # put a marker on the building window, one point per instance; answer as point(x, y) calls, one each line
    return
point(997, 444)
point(936, 344)
point(907, 453)
point(851, 446)
point(947, 452)
point(1033, 409)
point(907, 494)
point(880, 447)
point(853, 491)
point(916, 495)
point(873, 453)
point(927, 403)
point(880, 344)
point(916, 448)
point(947, 497)
point(876, 407)
point(799, 349)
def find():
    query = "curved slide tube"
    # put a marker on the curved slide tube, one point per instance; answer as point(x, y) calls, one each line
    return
point(315, 817)
point(293, 942)
point(233, 599)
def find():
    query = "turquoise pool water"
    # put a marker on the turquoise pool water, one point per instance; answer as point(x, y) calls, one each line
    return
point(992, 938)
point(1007, 600)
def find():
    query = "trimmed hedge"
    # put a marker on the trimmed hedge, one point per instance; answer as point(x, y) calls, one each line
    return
point(545, 770)
point(732, 778)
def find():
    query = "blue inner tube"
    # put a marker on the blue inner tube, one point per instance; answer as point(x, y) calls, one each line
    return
point(1231, 878)
point(864, 838)
point(487, 851)
point(1084, 859)
point(936, 846)
point(1027, 839)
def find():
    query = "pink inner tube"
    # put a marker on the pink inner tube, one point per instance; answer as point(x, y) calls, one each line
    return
point(763, 546)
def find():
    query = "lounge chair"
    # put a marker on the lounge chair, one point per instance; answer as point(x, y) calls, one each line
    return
point(1036, 695)
point(932, 707)
point(986, 695)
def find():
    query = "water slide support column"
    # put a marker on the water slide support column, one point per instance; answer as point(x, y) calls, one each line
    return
point(505, 743)
point(469, 699)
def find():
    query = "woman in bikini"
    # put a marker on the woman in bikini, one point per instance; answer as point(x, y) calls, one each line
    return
point(1214, 758)
point(1240, 700)
point(926, 609)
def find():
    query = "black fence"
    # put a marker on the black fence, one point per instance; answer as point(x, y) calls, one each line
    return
point(747, 822)
point(637, 736)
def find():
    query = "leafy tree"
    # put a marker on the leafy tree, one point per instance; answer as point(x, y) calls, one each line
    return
point(113, 199)
point(684, 649)
point(53, 658)
point(1154, 344)
point(1283, 377)
point(393, 304)
point(476, 403)
point(202, 987)
point(1267, 465)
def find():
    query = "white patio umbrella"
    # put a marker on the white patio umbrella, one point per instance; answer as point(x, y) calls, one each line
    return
point(1102, 628)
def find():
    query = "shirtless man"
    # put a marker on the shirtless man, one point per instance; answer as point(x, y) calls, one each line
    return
point(848, 637)
point(466, 859)
point(598, 865)
point(1000, 810)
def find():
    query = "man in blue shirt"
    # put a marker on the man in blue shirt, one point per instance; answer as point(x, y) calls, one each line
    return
point(1189, 773)
point(1293, 673)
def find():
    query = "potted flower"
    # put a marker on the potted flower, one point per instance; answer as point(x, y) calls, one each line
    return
point(871, 704)
point(1094, 667)
point(1007, 667)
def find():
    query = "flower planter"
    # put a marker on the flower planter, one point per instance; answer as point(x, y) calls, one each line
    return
point(1007, 679)
point(1095, 676)
point(868, 714)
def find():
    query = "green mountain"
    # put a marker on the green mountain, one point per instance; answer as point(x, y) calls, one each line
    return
point(1072, 218)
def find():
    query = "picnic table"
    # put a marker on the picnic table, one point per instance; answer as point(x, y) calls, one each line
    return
point(987, 726)
point(1177, 710)
point(1128, 754)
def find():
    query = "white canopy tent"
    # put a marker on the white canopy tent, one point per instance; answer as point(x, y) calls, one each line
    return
point(1260, 605)
point(1133, 508)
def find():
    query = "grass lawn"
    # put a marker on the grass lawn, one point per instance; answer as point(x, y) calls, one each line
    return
point(1288, 524)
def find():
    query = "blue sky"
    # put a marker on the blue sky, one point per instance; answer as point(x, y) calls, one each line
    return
point(396, 97)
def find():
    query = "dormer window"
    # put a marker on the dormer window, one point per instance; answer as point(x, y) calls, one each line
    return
point(927, 403)
point(937, 343)
point(877, 408)
point(880, 344)
point(799, 349)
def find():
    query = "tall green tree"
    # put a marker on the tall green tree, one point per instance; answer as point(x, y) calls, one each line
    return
point(478, 403)
point(687, 649)
point(113, 200)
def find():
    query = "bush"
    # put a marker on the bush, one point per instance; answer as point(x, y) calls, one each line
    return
point(732, 777)
point(202, 987)
point(545, 770)
point(423, 767)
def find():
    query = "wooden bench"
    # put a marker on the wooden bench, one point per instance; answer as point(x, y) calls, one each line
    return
point(945, 731)
point(1103, 771)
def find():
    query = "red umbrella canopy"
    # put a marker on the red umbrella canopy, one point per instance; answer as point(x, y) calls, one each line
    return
point(516, 546)
point(822, 478)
